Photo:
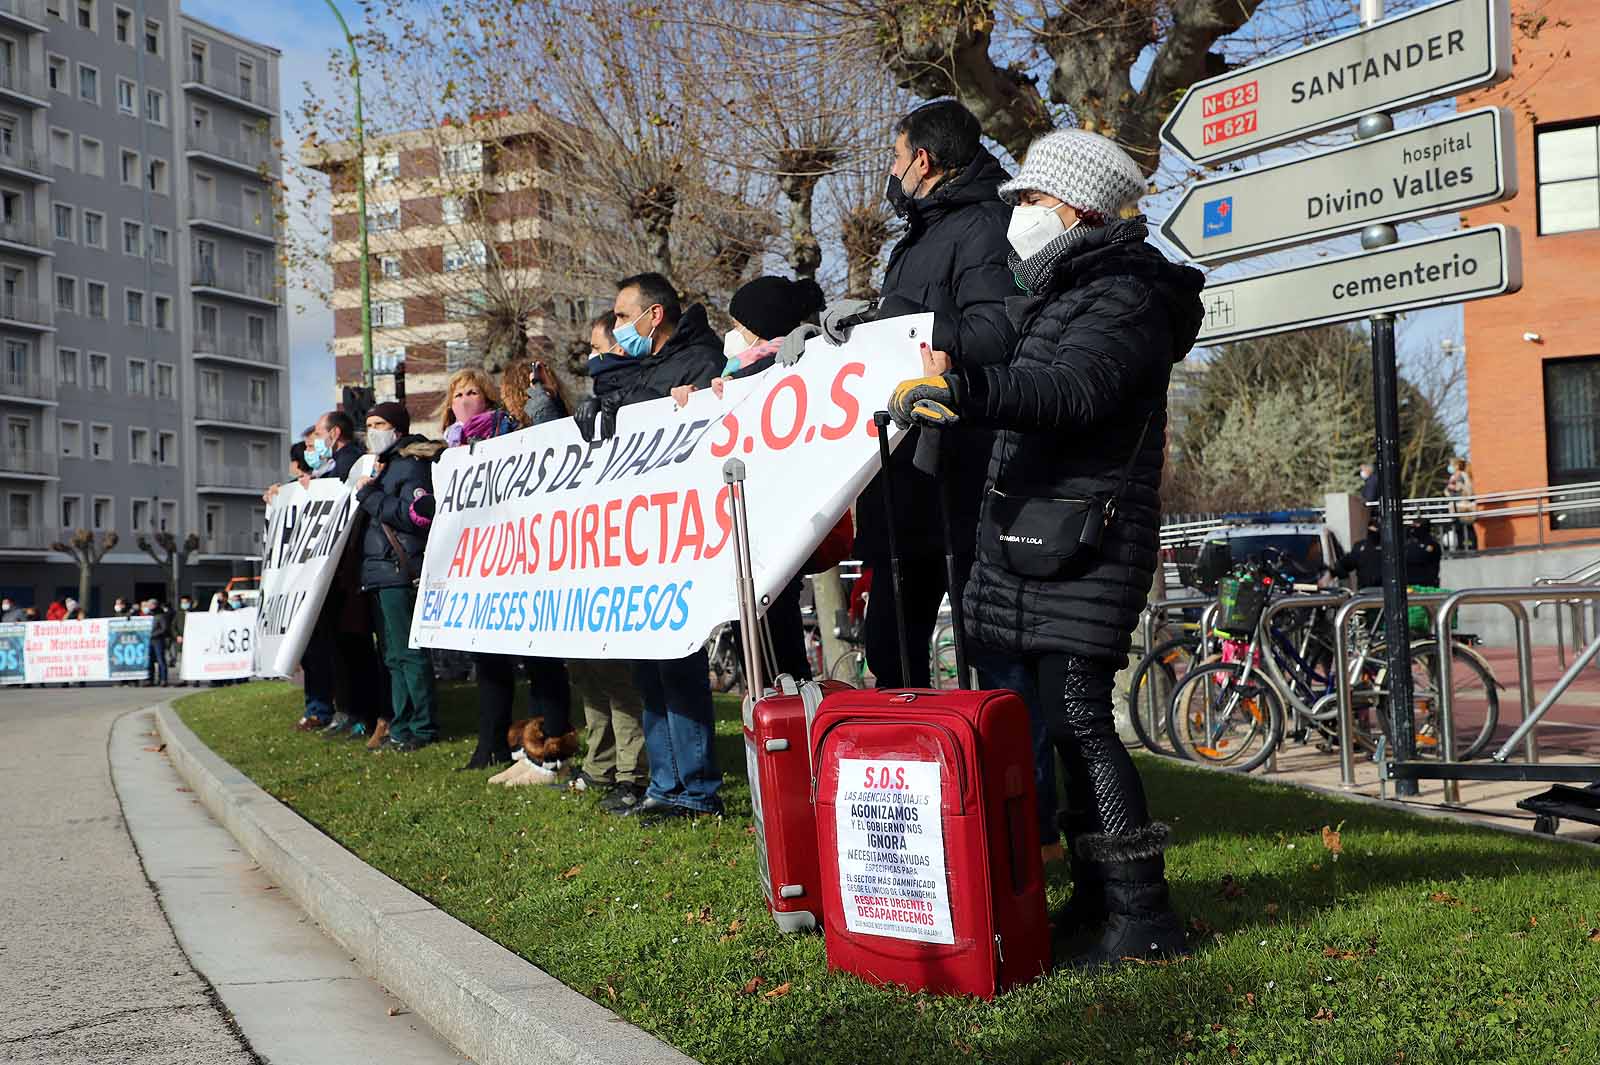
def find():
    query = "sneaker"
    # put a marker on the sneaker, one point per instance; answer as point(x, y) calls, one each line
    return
point(644, 806)
point(341, 723)
point(622, 799)
point(358, 731)
point(399, 746)
point(311, 724)
point(379, 734)
point(582, 781)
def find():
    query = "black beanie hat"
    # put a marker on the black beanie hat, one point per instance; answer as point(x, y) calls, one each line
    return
point(770, 307)
point(395, 414)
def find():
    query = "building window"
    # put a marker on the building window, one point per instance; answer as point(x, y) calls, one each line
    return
point(65, 223)
point(197, 61)
point(168, 510)
point(158, 176)
point(132, 238)
point(87, 19)
point(100, 442)
point(389, 266)
point(61, 148)
point(94, 229)
point(71, 512)
point(155, 106)
point(211, 386)
point(163, 312)
point(134, 300)
point(66, 294)
point(1568, 167)
point(126, 92)
point(457, 353)
point(124, 26)
point(167, 448)
point(56, 72)
point(67, 366)
point(255, 334)
point(102, 513)
point(206, 320)
point(387, 313)
point(94, 299)
point(99, 371)
point(199, 117)
point(166, 381)
point(71, 434)
point(451, 210)
point(388, 360)
point(88, 84)
point(91, 156)
point(247, 79)
point(53, 8)
point(138, 377)
point(130, 168)
point(152, 36)
point(258, 392)
point(461, 158)
point(139, 515)
point(466, 256)
point(139, 445)
point(383, 217)
point(382, 169)
point(1572, 430)
point(469, 305)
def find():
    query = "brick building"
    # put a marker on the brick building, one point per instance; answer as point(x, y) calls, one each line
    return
point(463, 229)
point(1533, 359)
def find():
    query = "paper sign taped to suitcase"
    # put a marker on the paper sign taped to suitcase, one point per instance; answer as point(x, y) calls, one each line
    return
point(891, 850)
point(544, 543)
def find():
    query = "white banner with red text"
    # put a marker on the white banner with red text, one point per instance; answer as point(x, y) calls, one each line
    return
point(66, 652)
point(218, 645)
point(546, 544)
point(306, 532)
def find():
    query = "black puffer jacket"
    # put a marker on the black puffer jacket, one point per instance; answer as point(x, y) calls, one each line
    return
point(1096, 349)
point(952, 261)
point(692, 355)
point(406, 478)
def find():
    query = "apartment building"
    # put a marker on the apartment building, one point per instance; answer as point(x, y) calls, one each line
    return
point(461, 219)
point(143, 335)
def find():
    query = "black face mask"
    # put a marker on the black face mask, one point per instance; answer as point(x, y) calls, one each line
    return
point(895, 193)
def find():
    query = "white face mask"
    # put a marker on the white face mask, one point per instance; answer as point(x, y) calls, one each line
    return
point(733, 343)
point(1033, 226)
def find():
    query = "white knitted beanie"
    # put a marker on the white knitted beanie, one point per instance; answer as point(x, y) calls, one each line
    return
point(1081, 169)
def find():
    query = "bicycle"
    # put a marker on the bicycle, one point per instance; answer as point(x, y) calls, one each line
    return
point(1152, 683)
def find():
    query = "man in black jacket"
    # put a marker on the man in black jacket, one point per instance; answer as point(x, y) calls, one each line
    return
point(675, 346)
point(951, 261)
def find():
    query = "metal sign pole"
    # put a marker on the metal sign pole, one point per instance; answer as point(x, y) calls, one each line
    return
point(1386, 397)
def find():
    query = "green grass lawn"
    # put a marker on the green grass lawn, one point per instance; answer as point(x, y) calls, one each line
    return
point(1423, 941)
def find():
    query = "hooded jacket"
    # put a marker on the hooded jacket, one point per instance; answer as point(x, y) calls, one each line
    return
point(951, 261)
point(390, 501)
point(692, 355)
point(1097, 344)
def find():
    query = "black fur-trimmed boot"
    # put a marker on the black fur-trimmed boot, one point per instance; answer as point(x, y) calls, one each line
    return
point(1139, 922)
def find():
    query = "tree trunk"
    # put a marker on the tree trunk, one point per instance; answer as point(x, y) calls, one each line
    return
point(85, 571)
point(865, 231)
point(827, 592)
point(653, 208)
point(805, 250)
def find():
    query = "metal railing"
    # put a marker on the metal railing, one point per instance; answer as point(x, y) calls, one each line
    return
point(20, 79)
point(21, 156)
point(254, 90)
point(27, 538)
point(240, 412)
point(233, 543)
point(228, 476)
point(32, 10)
point(237, 347)
point(261, 223)
point(31, 234)
point(24, 309)
point(28, 385)
point(207, 275)
point(40, 463)
point(1586, 574)
point(253, 154)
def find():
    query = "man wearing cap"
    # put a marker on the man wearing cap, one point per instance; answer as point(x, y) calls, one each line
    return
point(1067, 539)
point(397, 500)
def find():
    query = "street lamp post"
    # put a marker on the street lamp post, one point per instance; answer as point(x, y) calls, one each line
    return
point(361, 203)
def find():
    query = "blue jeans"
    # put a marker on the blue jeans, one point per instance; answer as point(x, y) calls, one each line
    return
point(158, 660)
point(680, 732)
point(997, 669)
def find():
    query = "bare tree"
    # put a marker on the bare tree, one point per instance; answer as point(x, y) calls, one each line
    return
point(86, 550)
point(170, 554)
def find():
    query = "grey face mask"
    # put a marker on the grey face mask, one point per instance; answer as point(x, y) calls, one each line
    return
point(380, 440)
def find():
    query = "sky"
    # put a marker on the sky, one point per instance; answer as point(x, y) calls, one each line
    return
point(305, 31)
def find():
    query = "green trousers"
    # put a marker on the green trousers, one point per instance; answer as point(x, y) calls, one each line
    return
point(410, 669)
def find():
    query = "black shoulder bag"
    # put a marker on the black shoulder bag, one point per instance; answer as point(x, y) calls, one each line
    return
point(1040, 537)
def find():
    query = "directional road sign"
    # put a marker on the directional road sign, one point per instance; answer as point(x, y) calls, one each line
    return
point(1465, 265)
point(1440, 50)
point(1457, 162)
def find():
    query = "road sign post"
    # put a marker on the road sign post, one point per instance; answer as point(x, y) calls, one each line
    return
point(1447, 165)
point(1429, 54)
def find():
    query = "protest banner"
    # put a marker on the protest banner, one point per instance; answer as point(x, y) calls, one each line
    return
point(65, 652)
point(306, 533)
point(546, 544)
point(218, 645)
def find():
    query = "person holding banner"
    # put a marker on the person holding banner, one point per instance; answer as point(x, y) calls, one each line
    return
point(1067, 541)
point(396, 500)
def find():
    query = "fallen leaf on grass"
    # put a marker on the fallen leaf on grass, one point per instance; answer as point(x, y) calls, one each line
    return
point(1323, 1014)
point(750, 988)
point(779, 991)
point(1594, 935)
point(1444, 898)
point(571, 873)
point(735, 925)
point(1342, 955)
point(703, 917)
point(612, 992)
point(1330, 839)
point(1249, 998)
point(1533, 922)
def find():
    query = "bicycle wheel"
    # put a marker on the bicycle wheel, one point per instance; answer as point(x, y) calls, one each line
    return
point(1161, 670)
point(850, 667)
point(1474, 696)
point(1221, 718)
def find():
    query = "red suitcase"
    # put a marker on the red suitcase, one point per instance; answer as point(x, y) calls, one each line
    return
point(927, 832)
point(778, 755)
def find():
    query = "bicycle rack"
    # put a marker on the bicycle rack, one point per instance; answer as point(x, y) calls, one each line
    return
point(1161, 607)
point(1269, 660)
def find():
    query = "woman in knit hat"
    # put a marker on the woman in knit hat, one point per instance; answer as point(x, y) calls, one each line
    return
point(1082, 410)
